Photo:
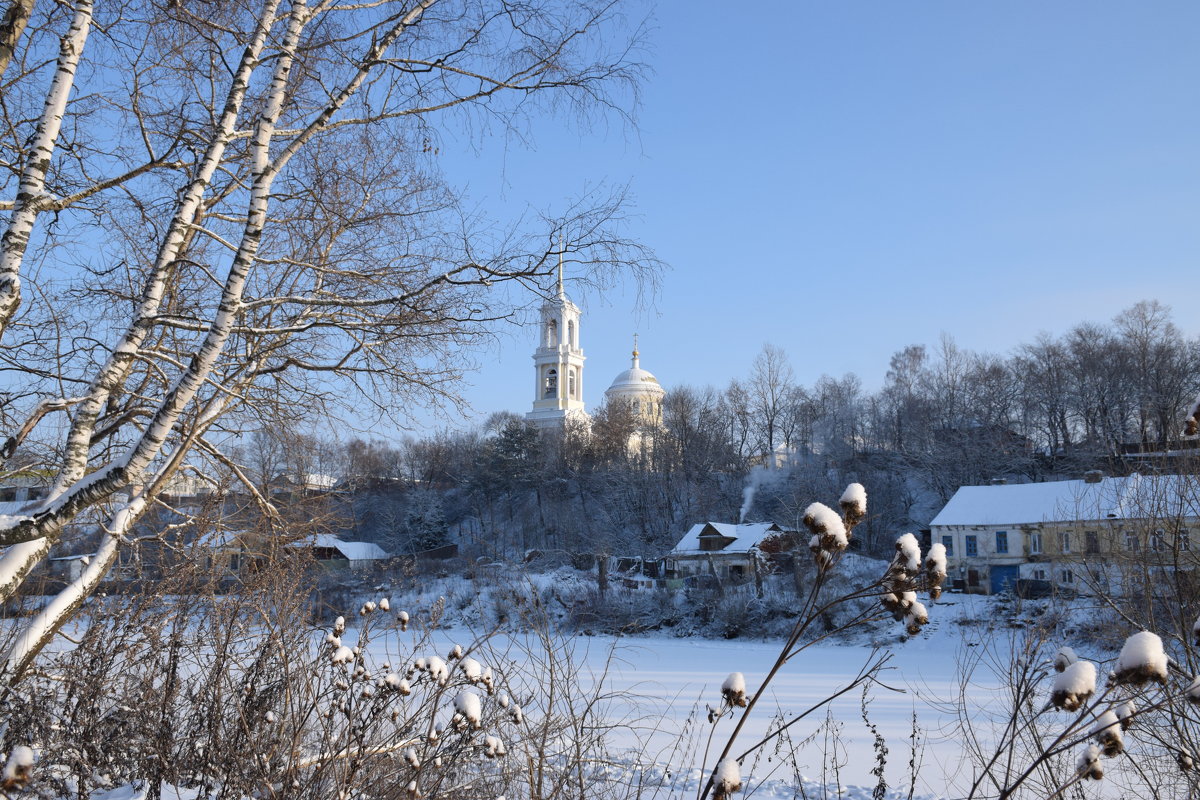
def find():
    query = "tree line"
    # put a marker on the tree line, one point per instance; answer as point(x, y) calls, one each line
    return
point(944, 417)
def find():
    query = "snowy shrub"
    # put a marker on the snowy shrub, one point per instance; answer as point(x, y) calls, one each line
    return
point(238, 696)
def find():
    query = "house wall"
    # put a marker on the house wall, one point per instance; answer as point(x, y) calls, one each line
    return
point(1063, 553)
point(731, 567)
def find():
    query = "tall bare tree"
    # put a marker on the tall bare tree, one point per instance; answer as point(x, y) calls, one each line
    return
point(223, 210)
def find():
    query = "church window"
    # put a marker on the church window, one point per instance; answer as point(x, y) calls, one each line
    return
point(551, 389)
point(571, 385)
point(571, 333)
point(552, 333)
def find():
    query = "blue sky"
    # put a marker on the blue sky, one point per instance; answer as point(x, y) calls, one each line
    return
point(843, 179)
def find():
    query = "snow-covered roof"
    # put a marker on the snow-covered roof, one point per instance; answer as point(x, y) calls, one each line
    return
point(219, 538)
point(1132, 497)
point(353, 551)
point(745, 536)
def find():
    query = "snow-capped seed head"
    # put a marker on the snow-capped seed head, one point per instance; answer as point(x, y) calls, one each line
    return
point(1126, 712)
point(455, 652)
point(908, 553)
point(1184, 759)
point(410, 756)
point(1073, 686)
point(502, 699)
point(727, 779)
point(19, 768)
point(1064, 658)
point(935, 564)
point(493, 747)
point(1088, 765)
point(339, 626)
point(916, 618)
point(893, 604)
point(1142, 659)
point(854, 503)
point(384, 605)
point(1107, 730)
point(472, 670)
point(402, 618)
point(343, 655)
point(1192, 692)
point(412, 790)
point(467, 704)
point(827, 525)
point(438, 670)
point(734, 690)
point(335, 641)
point(518, 716)
point(367, 608)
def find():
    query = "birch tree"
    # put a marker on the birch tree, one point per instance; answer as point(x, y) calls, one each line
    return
point(219, 213)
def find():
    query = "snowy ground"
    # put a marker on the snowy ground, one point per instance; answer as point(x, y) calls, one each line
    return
point(660, 686)
point(664, 685)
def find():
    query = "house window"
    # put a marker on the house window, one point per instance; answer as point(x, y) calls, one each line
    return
point(1092, 542)
point(710, 543)
point(1001, 541)
point(1131, 541)
point(972, 545)
point(1039, 574)
point(1035, 544)
point(1068, 576)
point(1064, 542)
point(948, 543)
point(1185, 540)
point(1156, 541)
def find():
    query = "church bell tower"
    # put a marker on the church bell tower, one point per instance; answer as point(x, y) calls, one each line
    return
point(557, 361)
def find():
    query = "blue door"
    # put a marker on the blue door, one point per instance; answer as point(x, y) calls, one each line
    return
point(1003, 578)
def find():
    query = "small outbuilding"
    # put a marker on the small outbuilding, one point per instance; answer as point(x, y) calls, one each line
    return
point(731, 552)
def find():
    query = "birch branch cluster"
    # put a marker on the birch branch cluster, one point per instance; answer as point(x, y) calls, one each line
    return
point(218, 216)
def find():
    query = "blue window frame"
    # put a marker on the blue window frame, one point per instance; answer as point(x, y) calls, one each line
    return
point(1001, 541)
point(972, 545)
point(948, 543)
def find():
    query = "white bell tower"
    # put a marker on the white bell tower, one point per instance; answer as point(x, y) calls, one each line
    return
point(557, 361)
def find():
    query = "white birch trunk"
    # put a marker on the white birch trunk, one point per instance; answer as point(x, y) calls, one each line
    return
point(42, 627)
point(31, 190)
point(19, 560)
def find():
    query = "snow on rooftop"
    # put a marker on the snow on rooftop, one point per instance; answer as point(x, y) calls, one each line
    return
point(1129, 497)
point(354, 551)
point(745, 536)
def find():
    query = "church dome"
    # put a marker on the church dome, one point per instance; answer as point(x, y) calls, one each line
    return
point(641, 390)
point(635, 379)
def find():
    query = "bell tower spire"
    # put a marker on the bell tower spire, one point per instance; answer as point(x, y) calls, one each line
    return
point(560, 265)
point(558, 359)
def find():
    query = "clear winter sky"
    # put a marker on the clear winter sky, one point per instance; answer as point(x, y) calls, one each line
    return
point(842, 179)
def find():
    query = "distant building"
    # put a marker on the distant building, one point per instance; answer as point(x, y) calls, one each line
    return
point(644, 395)
point(732, 552)
point(1065, 533)
point(331, 551)
point(558, 363)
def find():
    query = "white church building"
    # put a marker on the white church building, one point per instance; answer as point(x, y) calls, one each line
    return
point(558, 372)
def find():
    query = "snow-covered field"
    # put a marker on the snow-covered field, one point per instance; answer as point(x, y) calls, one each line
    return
point(660, 688)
